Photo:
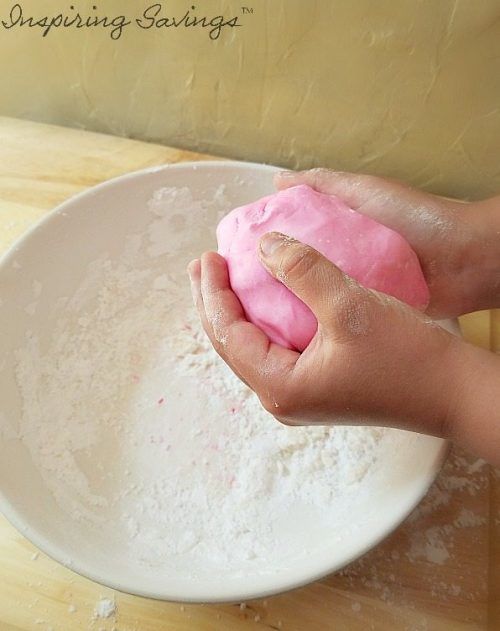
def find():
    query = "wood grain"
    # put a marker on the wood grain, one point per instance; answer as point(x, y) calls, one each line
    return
point(432, 573)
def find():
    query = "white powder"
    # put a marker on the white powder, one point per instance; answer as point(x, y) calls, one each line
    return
point(468, 519)
point(105, 608)
point(431, 545)
point(140, 430)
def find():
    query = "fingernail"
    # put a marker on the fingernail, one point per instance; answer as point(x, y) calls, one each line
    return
point(194, 285)
point(270, 242)
point(190, 268)
point(286, 174)
point(194, 289)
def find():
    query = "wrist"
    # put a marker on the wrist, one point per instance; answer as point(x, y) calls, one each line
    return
point(473, 411)
point(481, 271)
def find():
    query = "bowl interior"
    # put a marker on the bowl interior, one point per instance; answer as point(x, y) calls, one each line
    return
point(48, 282)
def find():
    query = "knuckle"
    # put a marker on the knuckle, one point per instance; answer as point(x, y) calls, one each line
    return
point(278, 404)
point(370, 181)
point(351, 315)
point(268, 404)
point(297, 262)
point(288, 422)
point(218, 347)
point(321, 173)
point(322, 178)
point(366, 181)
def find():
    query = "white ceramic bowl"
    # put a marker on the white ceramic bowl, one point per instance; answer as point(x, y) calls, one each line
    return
point(56, 253)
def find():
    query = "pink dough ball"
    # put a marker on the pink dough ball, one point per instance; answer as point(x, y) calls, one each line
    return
point(376, 256)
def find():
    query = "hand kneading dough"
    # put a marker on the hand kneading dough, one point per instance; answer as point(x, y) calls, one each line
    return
point(373, 254)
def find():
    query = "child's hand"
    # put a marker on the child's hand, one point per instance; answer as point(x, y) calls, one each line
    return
point(457, 245)
point(373, 359)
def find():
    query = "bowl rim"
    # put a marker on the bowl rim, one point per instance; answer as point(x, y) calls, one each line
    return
point(282, 584)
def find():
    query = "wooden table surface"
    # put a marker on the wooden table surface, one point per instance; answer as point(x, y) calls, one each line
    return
point(436, 572)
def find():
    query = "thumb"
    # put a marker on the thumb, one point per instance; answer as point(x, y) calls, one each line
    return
point(308, 274)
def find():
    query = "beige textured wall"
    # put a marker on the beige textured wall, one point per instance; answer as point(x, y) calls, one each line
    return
point(408, 88)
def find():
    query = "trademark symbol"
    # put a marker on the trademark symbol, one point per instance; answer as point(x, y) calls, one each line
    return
point(246, 10)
